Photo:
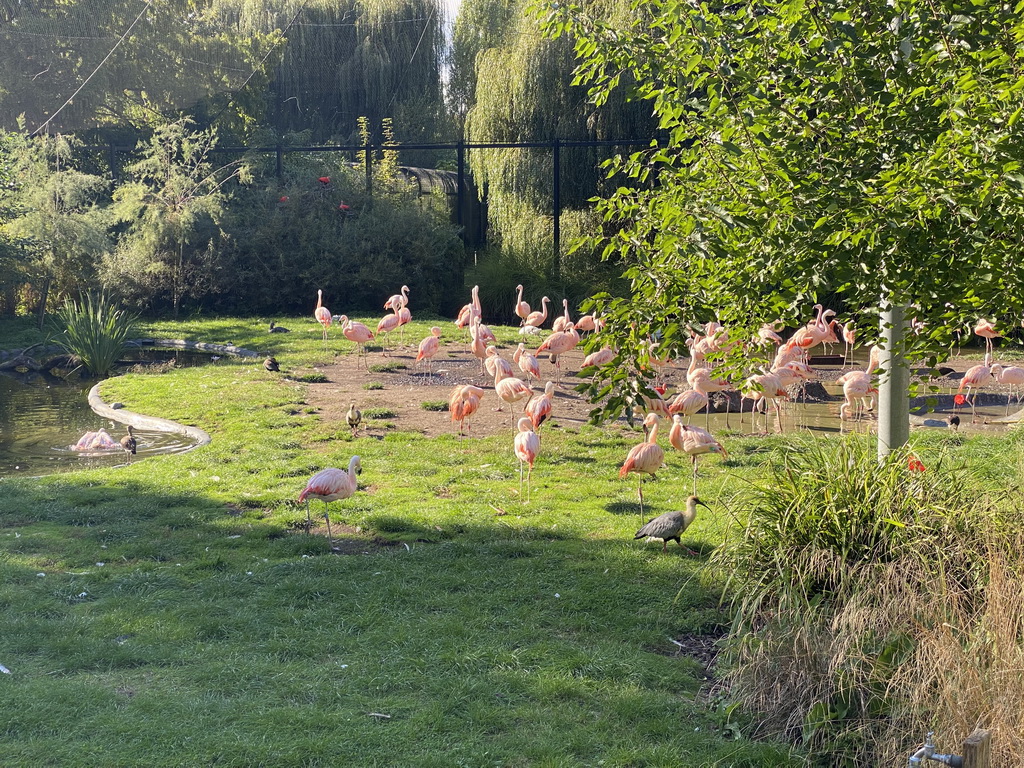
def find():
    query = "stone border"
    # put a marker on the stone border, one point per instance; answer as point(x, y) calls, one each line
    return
point(141, 421)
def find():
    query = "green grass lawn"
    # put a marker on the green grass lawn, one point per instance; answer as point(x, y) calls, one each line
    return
point(174, 612)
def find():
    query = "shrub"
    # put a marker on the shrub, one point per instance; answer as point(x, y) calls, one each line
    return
point(96, 331)
point(871, 606)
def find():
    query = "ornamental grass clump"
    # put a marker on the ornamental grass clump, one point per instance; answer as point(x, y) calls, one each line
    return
point(875, 602)
point(96, 331)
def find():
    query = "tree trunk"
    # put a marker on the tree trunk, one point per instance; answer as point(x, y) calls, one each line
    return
point(42, 301)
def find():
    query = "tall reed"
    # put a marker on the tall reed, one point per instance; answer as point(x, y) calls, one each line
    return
point(874, 602)
point(95, 330)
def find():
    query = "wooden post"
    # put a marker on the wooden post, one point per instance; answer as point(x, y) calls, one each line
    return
point(977, 750)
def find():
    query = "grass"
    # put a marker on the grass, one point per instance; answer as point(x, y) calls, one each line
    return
point(379, 413)
point(434, 405)
point(172, 612)
point(387, 367)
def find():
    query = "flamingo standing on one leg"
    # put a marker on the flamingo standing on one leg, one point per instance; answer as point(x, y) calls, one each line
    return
point(694, 442)
point(849, 337)
point(322, 314)
point(522, 309)
point(987, 331)
point(356, 332)
point(527, 362)
point(526, 446)
point(539, 408)
point(512, 390)
point(645, 458)
point(428, 348)
point(331, 485)
point(496, 365)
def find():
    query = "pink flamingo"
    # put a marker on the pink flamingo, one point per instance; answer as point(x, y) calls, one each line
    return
point(496, 365)
point(977, 376)
point(537, 318)
point(398, 300)
point(463, 402)
point(688, 403)
point(526, 361)
point(589, 323)
point(526, 447)
point(703, 380)
point(387, 324)
point(764, 387)
point(331, 485)
point(539, 408)
point(987, 331)
point(512, 390)
point(522, 309)
point(601, 357)
point(559, 343)
point(1012, 376)
point(858, 386)
point(849, 337)
point(428, 348)
point(404, 317)
point(562, 321)
point(645, 458)
point(95, 441)
point(322, 313)
point(477, 344)
point(470, 311)
point(357, 333)
point(694, 442)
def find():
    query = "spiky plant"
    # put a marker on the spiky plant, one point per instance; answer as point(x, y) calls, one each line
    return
point(96, 331)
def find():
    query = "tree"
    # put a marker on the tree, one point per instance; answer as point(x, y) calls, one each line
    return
point(172, 208)
point(857, 150)
point(57, 220)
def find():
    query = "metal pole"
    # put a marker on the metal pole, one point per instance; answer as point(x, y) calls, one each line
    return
point(460, 166)
point(894, 383)
point(556, 235)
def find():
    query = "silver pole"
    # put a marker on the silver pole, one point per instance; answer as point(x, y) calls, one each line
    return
point(894, 383)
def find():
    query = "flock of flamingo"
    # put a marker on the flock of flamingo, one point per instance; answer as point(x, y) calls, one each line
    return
point(766, 389)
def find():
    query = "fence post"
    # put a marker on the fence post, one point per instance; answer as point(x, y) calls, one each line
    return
point(977, 750)
point(556, 194)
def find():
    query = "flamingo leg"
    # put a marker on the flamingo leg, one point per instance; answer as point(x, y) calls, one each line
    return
point(694, 459)
point(520, 478)
point(309, 522)
point(529, 485)
point(640, 491)
point(327, 517)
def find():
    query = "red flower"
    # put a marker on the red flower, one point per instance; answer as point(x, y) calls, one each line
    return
point(283, 199)
point(959, 400)
point(914, 464)
point(325, 179)
point(342, 206)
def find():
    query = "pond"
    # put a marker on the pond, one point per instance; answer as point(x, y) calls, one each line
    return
point(42, 416)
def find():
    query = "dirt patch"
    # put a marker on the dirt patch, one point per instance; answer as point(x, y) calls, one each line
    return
point(406, 389)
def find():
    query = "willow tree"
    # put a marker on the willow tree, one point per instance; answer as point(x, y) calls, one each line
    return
point(856, 149)
point(346, 59)
point(524, 93)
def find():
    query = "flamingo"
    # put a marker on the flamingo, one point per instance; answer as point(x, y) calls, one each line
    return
point(764, 386)
point(404, 317)
point(463, 402)
point(331, 485)
point(470, 311)
point(562, 321)
point(129, 443)
point(522, 309)
point(987, 331)
point(977, 376)
point(603, 356)
point(527, 362)
point(539, 408)
point(645, 458)
point(559, 343)
point(537, 318)
point(526, 446)
point(702, 380)
point(849, 337)
point(496, 365)
point(857, 385)
point(322, 313)
point(512, 390)
point(688, 403)
point(428, 348)
point(694, 442)
point(1013, 376)
point(398, 300)
point(357, 333)
point(95, 441)
point(387, 324)
point(477, 344)
point(589, 323)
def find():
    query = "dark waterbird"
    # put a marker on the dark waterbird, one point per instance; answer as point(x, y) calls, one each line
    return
point(671, 525)
point(271, 364)
point(129, 443)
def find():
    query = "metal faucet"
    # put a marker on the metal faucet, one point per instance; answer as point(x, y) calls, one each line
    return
point(927, 752)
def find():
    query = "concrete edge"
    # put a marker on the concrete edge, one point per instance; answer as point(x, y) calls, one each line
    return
point(199, 436)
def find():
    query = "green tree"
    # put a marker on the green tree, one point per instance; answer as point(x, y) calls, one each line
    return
point(852, 149)
point(172, 208)
point(56, 218)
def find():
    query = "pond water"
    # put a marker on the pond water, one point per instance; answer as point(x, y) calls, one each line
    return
point(42, 416)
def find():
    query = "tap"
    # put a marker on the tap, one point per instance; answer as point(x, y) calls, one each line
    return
point(927, 752)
